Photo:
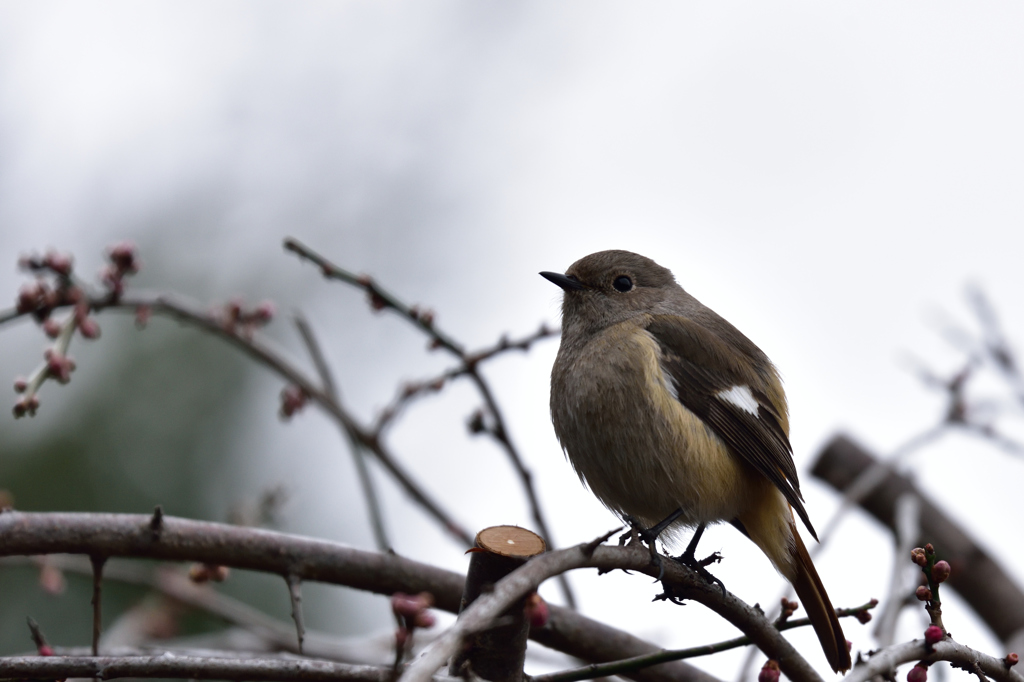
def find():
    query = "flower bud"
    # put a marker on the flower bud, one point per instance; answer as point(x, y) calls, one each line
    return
point(60, 263)
point(1011, 660)
point(933, 634)
point(923, 593)
point(940, 571)
point(917, 555)
point(51, 327)
point(769, 672)
point(918, 673)
point(29, 297)
point(537, 611)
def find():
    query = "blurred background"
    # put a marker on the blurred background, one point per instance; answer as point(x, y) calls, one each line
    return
point(827, 176)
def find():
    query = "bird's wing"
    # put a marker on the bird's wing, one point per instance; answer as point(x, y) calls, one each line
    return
point(718, 385)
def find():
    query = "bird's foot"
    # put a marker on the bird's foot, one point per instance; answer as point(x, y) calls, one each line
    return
point(639, 533)
point(699, 566)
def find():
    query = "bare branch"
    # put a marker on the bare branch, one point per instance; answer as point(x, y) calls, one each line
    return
point(365, 478)
point(993, 594)
point(424, 320)
point(187, 667)
point(683, 582)
point(885, 662)
point(97, 587)
point(596, 670)
point(413, 390)
point(259, 348)
point(117, 535)
point(295, 596)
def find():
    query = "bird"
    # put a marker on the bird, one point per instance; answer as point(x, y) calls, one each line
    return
point(674, 419)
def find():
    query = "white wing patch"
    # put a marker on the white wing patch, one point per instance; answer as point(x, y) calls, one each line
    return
point(669, 383)
point(741, 397)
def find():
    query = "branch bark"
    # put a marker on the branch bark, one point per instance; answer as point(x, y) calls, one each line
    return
point(976, 576)
point(131, 535)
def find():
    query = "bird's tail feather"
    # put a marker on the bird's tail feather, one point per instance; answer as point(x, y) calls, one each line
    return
point(812, 595)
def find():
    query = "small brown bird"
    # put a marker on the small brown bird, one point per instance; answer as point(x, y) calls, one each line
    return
point(674, 418)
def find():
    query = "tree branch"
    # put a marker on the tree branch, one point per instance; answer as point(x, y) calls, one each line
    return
point(128, 535)
point(424, 320)
point(257, 347)
point(885, 662)
point(977, 577)
point(684, 584)
point(188, 667)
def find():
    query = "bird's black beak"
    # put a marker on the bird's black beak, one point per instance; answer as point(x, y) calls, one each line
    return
point(566, 283)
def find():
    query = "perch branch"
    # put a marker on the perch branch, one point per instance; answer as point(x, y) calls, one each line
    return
point(127, 535)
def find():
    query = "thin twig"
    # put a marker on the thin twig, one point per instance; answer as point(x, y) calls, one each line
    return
point(596, 670)
point(355, 446)
point(258, 347)
point(886, 661)
point(187, 667)
point(97, 594)
point(295, 596)
point(172, 583)
point(412, 390)
point(380, 299)
point(908, 530)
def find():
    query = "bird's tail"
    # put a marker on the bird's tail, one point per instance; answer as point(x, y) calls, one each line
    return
point(812, 595)
point(777, 536)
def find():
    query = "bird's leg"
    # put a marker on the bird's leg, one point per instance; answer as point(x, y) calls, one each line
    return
point(649, 535)
point(688, 559)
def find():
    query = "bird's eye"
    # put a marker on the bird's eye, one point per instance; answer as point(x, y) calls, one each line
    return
point(622, 283)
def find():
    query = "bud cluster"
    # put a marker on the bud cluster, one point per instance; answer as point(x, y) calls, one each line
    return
point(411, 612)
point(237, 319)
point(788, 609)
point(204, 573)
point(54, 287)
point(424, 317)
point(293, 399)
point(935, 573)
point(124, 261)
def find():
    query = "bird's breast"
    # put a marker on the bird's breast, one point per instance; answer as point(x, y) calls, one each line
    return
point(639, 449)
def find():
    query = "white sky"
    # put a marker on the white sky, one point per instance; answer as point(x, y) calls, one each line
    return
point(825, 175)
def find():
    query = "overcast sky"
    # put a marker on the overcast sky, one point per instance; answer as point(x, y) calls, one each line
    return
point(827, 176)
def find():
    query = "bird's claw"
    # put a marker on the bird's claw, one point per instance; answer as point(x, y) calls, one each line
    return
point(699, 566)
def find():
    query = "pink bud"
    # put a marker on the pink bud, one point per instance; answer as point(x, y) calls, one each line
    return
point(401, 637)
point(88, 328)
point(58, 262)
point(45, 650)
point(123, 257)
point(424, 619)
point(537, 611)
point(51, 579)
point(265, 311)
point(142, 315)
point(923, 593)
point(940, 571)
point(51, 328)
point(20, 385)
point(27, 405)
point(933, 634)
point(769, 672)
point(917, 555)
point(29, 297)
point(1011, 660)
point(918, 673)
